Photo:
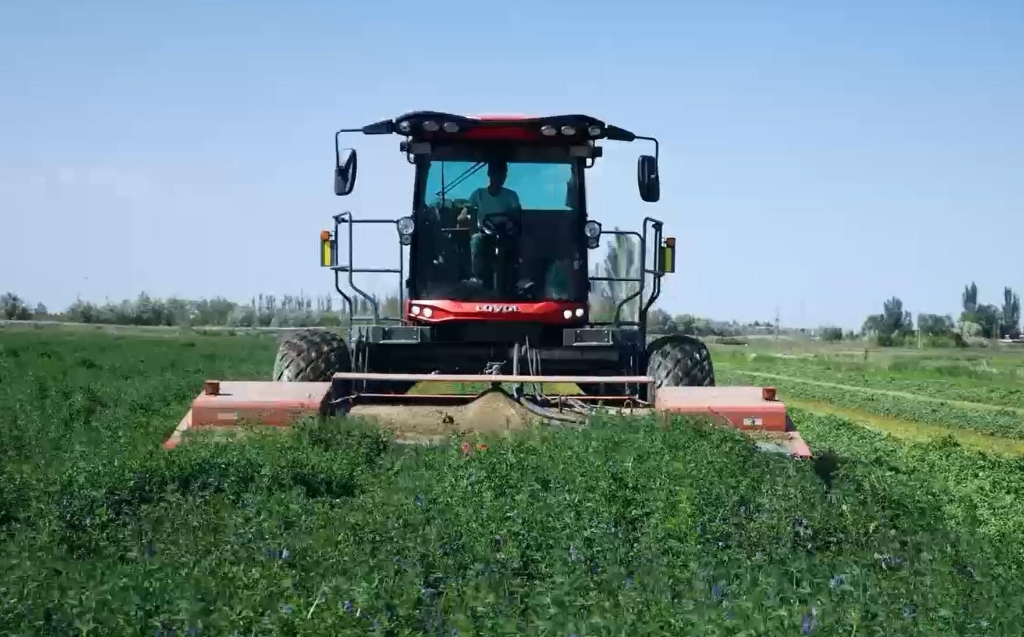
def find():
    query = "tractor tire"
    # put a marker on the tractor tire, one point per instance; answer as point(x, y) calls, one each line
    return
point(679, 360)
point(311, 356)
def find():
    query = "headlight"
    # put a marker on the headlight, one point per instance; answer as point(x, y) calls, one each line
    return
point(406, 225)
point(592, 229)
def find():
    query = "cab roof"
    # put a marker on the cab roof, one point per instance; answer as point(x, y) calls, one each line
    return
point(440, 126)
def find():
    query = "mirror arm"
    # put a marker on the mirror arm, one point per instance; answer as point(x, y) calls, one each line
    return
point(651, 139)
point(337, 149)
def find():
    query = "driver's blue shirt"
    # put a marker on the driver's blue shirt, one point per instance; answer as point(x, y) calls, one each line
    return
point(487, 204)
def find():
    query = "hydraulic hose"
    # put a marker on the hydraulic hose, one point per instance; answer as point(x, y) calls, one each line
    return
point(544, 412)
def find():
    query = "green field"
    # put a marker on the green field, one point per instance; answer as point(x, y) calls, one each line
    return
point(911, 524)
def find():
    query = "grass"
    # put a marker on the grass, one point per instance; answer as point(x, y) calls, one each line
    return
point(626, 527)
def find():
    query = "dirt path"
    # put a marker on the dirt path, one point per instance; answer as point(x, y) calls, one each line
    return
point(881, 392)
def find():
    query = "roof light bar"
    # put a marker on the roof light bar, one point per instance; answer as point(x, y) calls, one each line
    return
point(510, 128)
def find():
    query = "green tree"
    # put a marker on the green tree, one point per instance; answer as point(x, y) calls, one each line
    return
point(892, 325)
point(1011, 313)
point(13, 307)
point(831, 333)
point(622, 260)
point(978, 319)
point(660, 322)
point(969, 298)
point(935, 325)
point(988, 317)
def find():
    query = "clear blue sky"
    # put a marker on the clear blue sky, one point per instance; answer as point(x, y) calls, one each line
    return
point(815, 158)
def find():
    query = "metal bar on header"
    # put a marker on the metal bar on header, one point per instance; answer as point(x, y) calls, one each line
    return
point(494, 378)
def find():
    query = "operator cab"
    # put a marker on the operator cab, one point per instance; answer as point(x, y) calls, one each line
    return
point(499, 223)
point(499, 213)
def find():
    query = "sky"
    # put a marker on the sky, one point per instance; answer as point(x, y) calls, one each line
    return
point(816, 158)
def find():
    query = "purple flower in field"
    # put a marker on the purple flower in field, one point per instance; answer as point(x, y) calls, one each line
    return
point(418, 500)
point(888, 561)
point(573, 553)
point(347, 606)
point(802, 528)
point(716, 592)
point(836, 581)
point(806, 624)
point(909, 611)
point(286, 609)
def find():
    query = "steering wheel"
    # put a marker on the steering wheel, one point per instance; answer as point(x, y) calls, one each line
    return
point(500, 224)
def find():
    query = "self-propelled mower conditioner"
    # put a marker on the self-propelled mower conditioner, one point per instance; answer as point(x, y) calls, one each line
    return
point(495, 295)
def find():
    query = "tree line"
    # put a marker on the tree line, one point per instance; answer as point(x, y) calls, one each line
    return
point(261, 311)
point(895, 325)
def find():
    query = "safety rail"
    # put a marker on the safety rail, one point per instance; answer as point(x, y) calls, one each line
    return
point(347, 219)
point(652, 230)
point(643, 308)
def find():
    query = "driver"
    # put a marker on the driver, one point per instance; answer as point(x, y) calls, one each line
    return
point(494, 199)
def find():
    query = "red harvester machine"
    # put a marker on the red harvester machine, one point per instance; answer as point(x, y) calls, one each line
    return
point(495, 295)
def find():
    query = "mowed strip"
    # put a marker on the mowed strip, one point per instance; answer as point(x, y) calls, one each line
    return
point(880, 392)
point(910, 430)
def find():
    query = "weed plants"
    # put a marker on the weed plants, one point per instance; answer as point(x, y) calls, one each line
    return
point(627, 527)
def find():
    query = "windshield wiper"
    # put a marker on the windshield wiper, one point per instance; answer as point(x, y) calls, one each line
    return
point(446, 188)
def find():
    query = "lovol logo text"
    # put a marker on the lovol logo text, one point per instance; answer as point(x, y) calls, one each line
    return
point(497, 308)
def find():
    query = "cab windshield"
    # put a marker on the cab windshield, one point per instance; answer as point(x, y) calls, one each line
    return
point(498, 231)
point(539, 186)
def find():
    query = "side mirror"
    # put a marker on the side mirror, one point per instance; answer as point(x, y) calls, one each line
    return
point(345, 172)
point(647, 178)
